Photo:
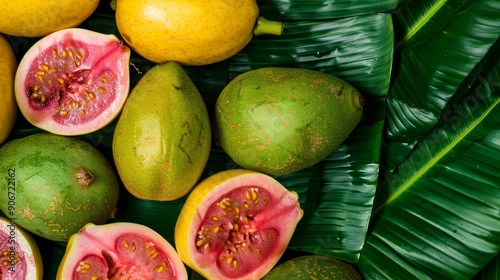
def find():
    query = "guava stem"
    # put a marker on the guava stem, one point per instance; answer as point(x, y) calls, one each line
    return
point(265, 26)
point(112, 4)
point(84, 177)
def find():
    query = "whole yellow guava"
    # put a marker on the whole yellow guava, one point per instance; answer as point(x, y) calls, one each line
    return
point(191, 32)
point(8, 106)
point(36, 18)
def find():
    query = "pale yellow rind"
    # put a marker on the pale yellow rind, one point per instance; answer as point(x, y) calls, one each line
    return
point(191, 32)
point(37, 18)
point(8, 104)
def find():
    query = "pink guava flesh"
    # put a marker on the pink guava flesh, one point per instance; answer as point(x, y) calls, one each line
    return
point(73, 81)
point(13, 261)
point(239, 230)
point(120, 250)
point(133, 257)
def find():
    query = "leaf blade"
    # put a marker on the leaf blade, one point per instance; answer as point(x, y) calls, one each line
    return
point(436, 217)
point(320, 9)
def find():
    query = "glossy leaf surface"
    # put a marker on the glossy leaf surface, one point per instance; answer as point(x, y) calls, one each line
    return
point(321, 9)
point(436, 216)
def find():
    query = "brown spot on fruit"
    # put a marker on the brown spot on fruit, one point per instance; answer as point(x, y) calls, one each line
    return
point(83, 177)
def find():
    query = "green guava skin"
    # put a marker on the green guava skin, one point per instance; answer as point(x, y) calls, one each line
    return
point(313, 267)
point(162, 140)
point(53, 185)
point(279, 120)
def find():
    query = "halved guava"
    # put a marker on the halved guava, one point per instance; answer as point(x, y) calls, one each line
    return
point(73, 81)
point(19, 254)
point(236, 224)
point(120, 250)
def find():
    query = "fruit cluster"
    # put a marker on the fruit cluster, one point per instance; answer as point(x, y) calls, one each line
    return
point(72, 82)
point(249, 139)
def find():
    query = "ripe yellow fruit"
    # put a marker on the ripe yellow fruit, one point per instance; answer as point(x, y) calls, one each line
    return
point(191, 32)
point(8, 105)
point(162, 139)
point(37, 18)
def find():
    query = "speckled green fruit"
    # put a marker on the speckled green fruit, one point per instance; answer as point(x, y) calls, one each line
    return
point(313, 267)
point(162, 139)
point(281, 120)
point(53, 185)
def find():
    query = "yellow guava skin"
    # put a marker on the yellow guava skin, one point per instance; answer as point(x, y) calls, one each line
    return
point(8, 104)
point(191, 32)
point(36, 18)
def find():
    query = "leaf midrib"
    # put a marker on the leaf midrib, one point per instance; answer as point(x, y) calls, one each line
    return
point(421, 22)
point(427, 166)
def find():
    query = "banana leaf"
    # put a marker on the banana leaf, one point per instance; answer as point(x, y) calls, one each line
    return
point(429, 73)
point(491, 271)
point(337, 197)
point(357, 49)
point(395, 151)
point(321, 9)
point(418, 21)
point(436, 215)
point(451, 52)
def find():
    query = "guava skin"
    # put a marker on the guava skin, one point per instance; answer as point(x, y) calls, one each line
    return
point(313, 267)
point(39, 18)
point(280, 120)
point(57, 185)
point(8, 106)
point(191, 32)
point(162, 140)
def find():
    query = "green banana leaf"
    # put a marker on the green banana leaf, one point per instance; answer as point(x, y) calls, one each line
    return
point(491, 271)
point(436, 215)
point(357, 49)
point(426, 75)
point(418, 21)
point(321, 9)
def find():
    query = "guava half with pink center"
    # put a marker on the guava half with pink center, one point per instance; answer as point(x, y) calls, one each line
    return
point(20, 257)
point(120, 250)
point(73, 81)
point(236, 224)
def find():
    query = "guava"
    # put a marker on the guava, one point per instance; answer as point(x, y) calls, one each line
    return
point(161, 141)
point(73, 81)
point(39, 18)
point(8, 106)
point(236, 224)
point(279, 120)
point(120, 250)
point(19, 253)
point(314, 267)
point(196, 32)
point(54, 185)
